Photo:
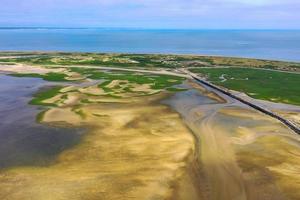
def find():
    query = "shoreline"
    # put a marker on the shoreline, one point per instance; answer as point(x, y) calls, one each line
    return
point(149, 54)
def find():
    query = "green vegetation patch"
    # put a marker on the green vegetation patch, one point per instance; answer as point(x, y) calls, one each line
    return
point(261, 84)
point(52, 76)
point(174, 89)
point(80, 113)
point(40, 116)
point(128, 79)
point(142, 60)
point(43, 95)
point(156, 82)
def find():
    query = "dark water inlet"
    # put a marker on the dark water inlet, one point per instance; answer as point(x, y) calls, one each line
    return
point(22, 140)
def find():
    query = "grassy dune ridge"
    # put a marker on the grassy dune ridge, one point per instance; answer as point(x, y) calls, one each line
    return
point(141, 60)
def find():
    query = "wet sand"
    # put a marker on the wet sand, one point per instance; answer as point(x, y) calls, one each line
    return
point(288, 111)
point(242, 154)
point(189, 145)
point(135, 150)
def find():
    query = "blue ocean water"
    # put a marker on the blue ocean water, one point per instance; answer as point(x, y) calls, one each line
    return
point(268, 44)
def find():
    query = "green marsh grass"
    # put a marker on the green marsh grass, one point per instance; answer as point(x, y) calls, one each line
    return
point(261, 84)
point(43, 95)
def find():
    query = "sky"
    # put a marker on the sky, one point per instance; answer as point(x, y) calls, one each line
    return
point(185, 14)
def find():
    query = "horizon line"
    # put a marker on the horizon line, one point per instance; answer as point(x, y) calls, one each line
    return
point(142, 28)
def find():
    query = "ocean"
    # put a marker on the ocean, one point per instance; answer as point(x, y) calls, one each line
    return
point(264, 44)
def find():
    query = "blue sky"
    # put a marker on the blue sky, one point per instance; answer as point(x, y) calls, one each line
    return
point(210, 14)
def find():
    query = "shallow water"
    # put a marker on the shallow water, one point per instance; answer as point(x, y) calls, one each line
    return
point(237, 148)
point(22, 140)
point(183, 102)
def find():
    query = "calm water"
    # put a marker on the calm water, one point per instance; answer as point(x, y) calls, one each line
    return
point(279, 45)
point(22, 140)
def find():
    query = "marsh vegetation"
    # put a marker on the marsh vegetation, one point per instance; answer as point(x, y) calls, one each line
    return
point(141, 60)
point(261, 84)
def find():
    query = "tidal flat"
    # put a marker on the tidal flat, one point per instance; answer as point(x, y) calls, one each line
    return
point(23, 141)
point(137, 135)
point(134, 147)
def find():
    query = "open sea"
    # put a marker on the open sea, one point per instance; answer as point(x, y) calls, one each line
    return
point(266, 44)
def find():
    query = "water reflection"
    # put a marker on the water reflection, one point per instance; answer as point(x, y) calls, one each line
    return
point(22, 140)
